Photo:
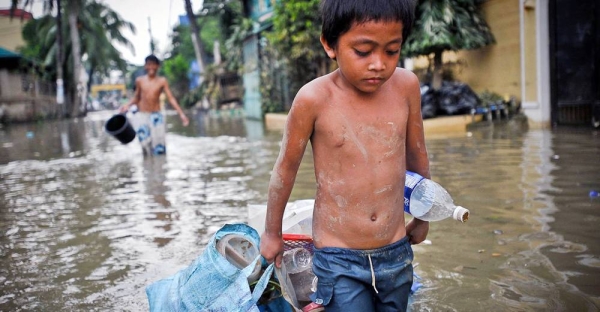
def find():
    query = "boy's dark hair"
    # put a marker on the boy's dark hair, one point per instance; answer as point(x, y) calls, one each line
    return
point(339, 15)
point(152, 58)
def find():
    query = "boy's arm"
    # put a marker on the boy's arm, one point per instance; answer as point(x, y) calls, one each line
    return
point(173, 101)
point(416, 153)
point(136, 96)
point(298, 130)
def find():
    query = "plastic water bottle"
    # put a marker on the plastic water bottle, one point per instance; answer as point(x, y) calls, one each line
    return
point(298, 274)
point(297, 260)
point(426, 200)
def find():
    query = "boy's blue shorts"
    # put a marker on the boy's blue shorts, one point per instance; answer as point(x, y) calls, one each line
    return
point(364, 280)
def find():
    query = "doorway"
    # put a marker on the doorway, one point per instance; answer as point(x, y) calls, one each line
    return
point(575, 62)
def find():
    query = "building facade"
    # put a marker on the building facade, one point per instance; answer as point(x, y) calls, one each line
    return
point(547, 54)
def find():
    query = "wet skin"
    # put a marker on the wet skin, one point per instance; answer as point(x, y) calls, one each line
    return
point(148, 89)
point(364, 123)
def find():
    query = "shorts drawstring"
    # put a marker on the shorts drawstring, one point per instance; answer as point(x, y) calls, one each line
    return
point(372, 274)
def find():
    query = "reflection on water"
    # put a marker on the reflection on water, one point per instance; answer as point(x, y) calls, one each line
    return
point(86, 223)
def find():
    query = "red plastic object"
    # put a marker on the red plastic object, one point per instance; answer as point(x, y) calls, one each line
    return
point(291, 241)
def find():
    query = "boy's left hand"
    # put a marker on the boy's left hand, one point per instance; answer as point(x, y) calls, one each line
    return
point(417, 230)
point(184, 120)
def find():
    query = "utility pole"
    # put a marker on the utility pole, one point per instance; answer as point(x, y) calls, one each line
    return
point(152, 43)
point(195, 32)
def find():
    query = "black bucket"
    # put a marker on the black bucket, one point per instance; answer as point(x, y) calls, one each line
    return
point(119, 127)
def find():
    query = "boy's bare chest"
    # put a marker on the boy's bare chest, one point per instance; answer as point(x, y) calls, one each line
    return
point(151, 89)
point(380, 127)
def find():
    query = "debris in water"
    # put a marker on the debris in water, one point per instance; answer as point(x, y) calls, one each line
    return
point(594, 194)
point(29, 134)
point(496, 254)
point(12, 231)
point(556, 157)
point(481, 250)
point(498, 232)
point(501, 242)
point(416, 284)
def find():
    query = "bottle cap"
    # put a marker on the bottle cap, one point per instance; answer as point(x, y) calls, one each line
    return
point(461, 214)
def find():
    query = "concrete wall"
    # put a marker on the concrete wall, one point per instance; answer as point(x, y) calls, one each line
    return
point(497, 67)
point(28, 109)
point(10, 32)
point(24, 98)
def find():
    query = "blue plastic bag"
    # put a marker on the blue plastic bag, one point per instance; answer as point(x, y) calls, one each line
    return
point(211, 283)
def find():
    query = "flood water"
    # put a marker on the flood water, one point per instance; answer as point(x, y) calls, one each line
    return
point(86, 223)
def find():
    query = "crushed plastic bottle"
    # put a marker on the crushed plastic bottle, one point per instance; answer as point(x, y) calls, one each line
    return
point(297, 260)
point(298, 276)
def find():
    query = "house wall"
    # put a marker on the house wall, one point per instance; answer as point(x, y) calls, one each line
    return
point(25, 98)
point(497, 67)
point(10, 32)
point(530, 30)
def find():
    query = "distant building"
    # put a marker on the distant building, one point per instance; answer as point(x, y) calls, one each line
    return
point(12, 27)
point(23, 96)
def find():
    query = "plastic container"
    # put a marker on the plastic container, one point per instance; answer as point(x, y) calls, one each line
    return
point(298, 275)
point(297, 260)
point(426, 200)
point(240, 252)
point(119, 127)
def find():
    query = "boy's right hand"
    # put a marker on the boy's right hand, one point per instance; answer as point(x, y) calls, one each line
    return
point(271, 248)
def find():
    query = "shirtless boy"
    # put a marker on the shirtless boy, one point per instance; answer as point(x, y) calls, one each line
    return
point(149, 120)
point(364, 123)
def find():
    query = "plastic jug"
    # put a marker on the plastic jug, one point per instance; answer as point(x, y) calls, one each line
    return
point(240, 252)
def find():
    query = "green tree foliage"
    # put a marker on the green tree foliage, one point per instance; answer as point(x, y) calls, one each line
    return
point(234, 45)
point(216, 22)
point(181, 43)
point(99, 30)
point(446, 25)
point(211, 32)
point(295, 35)
point(176, 71)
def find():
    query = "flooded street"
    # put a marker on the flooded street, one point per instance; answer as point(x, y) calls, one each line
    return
point(86, 223)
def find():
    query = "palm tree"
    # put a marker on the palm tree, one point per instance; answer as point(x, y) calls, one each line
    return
point(93, 29)
point(73, 7)
point(100, 28)
point(195, 32)
point(446, 25)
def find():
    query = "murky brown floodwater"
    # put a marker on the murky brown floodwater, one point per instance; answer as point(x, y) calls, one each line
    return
point(87, 223)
